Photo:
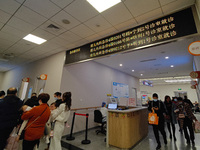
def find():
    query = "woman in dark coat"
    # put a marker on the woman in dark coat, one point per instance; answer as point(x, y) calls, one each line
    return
point(171, 117)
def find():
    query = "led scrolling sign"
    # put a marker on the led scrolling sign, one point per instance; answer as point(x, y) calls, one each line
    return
point(163, 29)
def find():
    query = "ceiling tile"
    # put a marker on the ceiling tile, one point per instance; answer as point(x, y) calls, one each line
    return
point(1, 25)
point(149, 16)
point(59, 41)
point(52, 30)
point(139, 7)
point(98, 24)
point(93, 37)
point(4, 44)
point(126, 25)
point(107, 32)
point(43, 7)
point(4, 16)
point(9, 6)
point(177, 5)
point(30, 16)
point(81, 10)
point(50, 45)
point(9, 37)
point(31, 53)
point(61, 3)
point(82, 31)
point(21, 25)
point(117, 14)
point(20, 47)
point(80, 42)
point(70, 37)
point(164, 2)
point(63, 15)
point(43, 34)
point(15, 32)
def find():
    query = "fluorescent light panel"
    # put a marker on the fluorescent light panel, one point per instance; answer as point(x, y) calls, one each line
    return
point(180, 80)
point(34, 39)
point(101, 5)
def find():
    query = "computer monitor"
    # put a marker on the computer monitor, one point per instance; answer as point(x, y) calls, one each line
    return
point(112, 106)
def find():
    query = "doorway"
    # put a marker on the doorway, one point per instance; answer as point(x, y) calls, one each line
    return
point(180, 94)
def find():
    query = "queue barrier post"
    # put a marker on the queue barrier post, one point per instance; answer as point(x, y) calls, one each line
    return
point(86, 141)
point(70, 137)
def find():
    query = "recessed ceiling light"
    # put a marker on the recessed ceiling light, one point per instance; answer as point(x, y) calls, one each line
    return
point(141, 74)
point(34, 39)
point(133, 70)
point(120, 65)
point(166, 57)
point(172, 66)
point(101, 5)
point(65, 21)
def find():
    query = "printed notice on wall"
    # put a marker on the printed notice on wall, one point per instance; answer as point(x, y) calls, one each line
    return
point(132, 102)
point(120, 90)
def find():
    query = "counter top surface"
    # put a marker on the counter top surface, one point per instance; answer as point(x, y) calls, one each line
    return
point(127, 110)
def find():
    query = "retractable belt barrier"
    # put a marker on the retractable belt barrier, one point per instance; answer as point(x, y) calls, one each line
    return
point(70, 137)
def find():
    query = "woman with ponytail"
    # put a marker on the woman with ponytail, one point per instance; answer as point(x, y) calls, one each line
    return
point(59, 116)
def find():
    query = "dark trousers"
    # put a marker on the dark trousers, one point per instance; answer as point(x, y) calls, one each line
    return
point(169, 128)
point(188, 124)
point(29, 145)
point(160, 127)
point(4, 135)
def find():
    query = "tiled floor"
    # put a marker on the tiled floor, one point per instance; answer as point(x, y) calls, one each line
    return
point(97, 142)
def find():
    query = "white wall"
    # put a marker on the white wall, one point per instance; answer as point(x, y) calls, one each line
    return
point(163, 90)
point(52, 66)
point(89, 83)
point(1, 79)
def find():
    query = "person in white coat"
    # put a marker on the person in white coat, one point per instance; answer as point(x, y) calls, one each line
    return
point(59, 116)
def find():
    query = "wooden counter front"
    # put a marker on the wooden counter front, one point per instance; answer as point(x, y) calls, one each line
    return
point(127, 127)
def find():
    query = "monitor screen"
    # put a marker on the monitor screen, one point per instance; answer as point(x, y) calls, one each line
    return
point(112, 106)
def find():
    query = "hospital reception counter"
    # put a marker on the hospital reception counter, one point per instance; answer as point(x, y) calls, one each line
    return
point(125, 128)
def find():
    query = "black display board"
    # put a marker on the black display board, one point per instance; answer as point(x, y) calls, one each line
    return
point(172, 26)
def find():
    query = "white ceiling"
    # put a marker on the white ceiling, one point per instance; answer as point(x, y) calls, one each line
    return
point(21, 17)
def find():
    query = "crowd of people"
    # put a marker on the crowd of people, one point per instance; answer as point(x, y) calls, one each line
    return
point(33, 118)
point(171, 112)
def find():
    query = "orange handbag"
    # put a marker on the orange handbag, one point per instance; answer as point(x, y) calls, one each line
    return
point(153, 118)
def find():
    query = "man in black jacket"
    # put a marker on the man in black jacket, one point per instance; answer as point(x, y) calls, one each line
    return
point(160, 110)
point(9, 115)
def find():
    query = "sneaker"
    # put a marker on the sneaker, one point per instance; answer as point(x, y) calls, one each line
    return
point(158, 147)
point(47, 140)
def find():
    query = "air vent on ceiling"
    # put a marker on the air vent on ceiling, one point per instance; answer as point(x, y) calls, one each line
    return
point(52, 26)
point(147, 60)
point(8, 55)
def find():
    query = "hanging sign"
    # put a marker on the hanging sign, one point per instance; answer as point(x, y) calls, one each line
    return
point(166, 28)
point(43, 76)
point(25, 79)
point(195, 74)
point(194, 48)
